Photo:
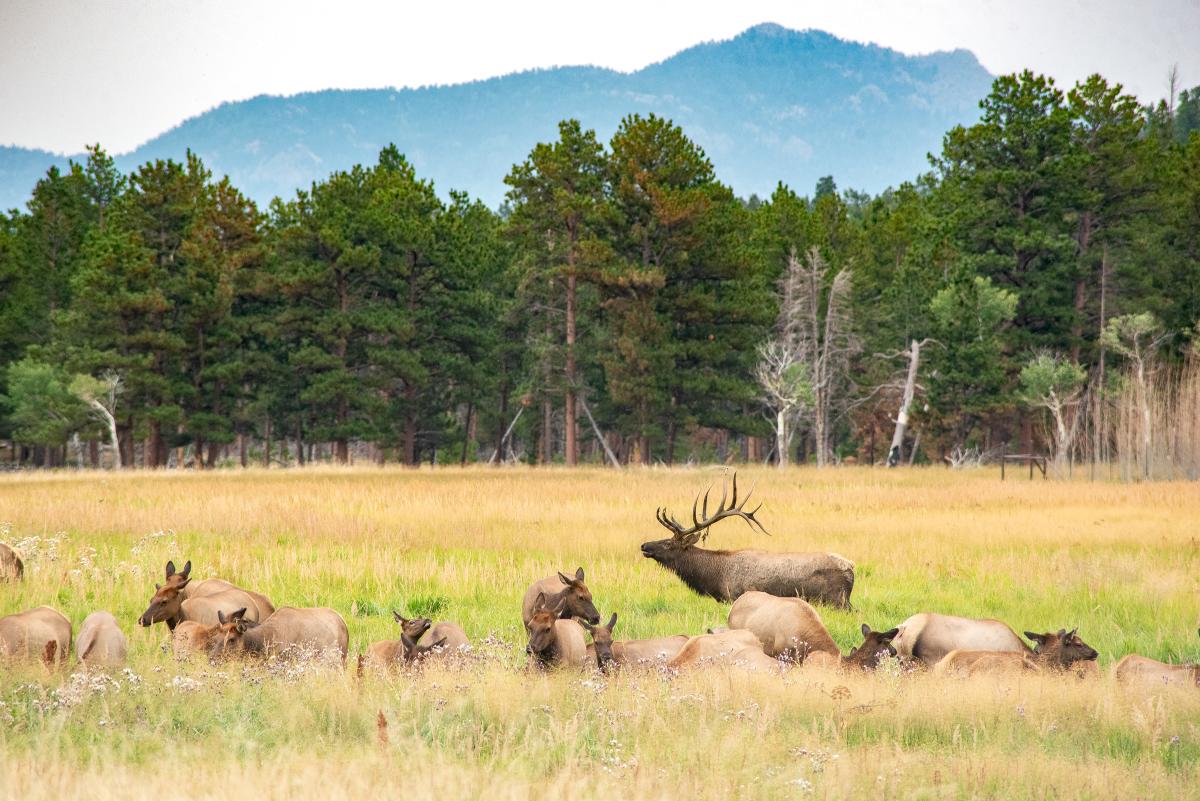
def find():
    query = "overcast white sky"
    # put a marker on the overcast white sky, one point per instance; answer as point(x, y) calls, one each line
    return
point(121, 71)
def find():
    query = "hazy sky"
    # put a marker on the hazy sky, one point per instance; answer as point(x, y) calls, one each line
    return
point(121, 71)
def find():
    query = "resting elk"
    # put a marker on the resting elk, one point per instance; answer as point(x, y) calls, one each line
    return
point(419, 638)
point(554, 641)
point(42, 633)
point(179, 599)
point(726, 575)
point(576, 597)
point(928, 637)
point(733, 647)
point(1135, 667)
point(1052, 652)
point(791, 630)
point(290, 627)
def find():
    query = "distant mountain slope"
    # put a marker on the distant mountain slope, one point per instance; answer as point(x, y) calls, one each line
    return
point(771, 104)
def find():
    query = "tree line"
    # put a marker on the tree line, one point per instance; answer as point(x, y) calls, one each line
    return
point(622, 305)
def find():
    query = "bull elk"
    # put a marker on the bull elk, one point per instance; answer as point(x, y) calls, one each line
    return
point(42, 633)
point(576, 597)
point(11, 566)
point(180, 598)
point(1135, 667)
point(553, 640)
point(1052, 652)
point(289, 628)
point(101, 641)
point(790, 629)
point(726, 575)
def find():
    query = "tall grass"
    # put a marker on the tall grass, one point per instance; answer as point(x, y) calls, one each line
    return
point(1120, 561)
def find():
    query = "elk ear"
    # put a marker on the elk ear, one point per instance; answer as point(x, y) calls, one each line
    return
point(186, 582)
point(398, 616)
point(612, 623)
point(539, 602)
point(441, 642)
point(187, 569)
point(579, 574)
point(587, 626)
point(170, 568)
point(1062, 633)
point(1072, 632)
point(889, 635)
point(239, 614)
point(221, 617)
point(1038, 638)
point(559, 607)
point(157, 587)
point(866, 630)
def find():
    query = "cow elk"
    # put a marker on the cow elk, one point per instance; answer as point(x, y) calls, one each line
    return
point(1060, 652)
point(1137, 668)
point(553, 640)
point(179, 599)
point(288, 629)
point(727, 575)
point(11, 566)
point(927, 637)
point(39, 634)
point(576, 597)
point(734, 647)
point(101, 641)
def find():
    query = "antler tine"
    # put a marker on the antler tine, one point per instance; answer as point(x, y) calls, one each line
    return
point(733, 500)
point(729, 506)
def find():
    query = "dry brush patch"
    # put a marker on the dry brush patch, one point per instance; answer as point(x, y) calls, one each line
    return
point(1120, 561)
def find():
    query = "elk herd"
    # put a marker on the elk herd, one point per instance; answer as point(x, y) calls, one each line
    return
point(771, 626)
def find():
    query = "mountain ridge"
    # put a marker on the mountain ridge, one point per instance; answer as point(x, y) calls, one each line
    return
point(770, 104)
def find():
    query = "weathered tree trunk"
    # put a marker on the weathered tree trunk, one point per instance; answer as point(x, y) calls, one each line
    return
point(243, 451)
point(267, 443)
point(781, 439)
point(547, 443)
point(896, 451)
point(468, 432)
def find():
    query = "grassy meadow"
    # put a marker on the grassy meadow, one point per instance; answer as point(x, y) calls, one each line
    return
point(1120, 561)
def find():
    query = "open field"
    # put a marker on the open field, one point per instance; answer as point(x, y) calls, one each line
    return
point(1121, 562)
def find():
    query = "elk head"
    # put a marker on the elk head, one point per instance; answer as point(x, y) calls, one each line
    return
point(541, 624)
point(164, 604)
point(231, 628)
point(602, 639)
point(414, 628)
point(875, 645)
point(1063, 649)
point(578, 598)
point(414, 652)
point(666, 551)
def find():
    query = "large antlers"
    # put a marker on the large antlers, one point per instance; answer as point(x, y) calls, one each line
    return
point(701, 522)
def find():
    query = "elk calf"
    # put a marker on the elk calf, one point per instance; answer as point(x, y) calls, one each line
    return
point(1053, 652)
point(862, 657)
point(101, 641)
point(928, 637)
point(554, 641)
point(42, 633)
point(727, 575)
point(290, 627)
point(576, 597)
point(1136, 668)
point(600, 650)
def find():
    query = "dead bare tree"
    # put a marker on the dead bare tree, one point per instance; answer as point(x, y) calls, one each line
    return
point(786, 390)
point(101, 397)
point(814, 326)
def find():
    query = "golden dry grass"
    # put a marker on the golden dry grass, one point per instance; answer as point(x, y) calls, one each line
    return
point(1122, 562)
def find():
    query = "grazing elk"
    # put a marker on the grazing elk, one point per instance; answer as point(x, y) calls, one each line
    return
point(1135, 667)
point(576, 597)
point(733, 647)
point(101, 641)
point(316, 627)
point(727, 575)
point(553, 640)
point(179, 599)
point(928, 637)
point(1052, 652)
point(41, 633)
point(11, 566)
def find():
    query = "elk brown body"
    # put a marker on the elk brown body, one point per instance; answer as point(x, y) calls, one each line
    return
point(727, 575)
point(929, 637)
point(553, 640)
point(572, 591)
point(653, 651)
point(172, 602)
point(735, 647)
point(1137, 668)
point(101, 641)
point(1053, 652)
point(391, 652)
point(290, 627)
point(788, 628)
point(42, 633)
point(191, 637)
point(861, 657)
point(11, 566)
